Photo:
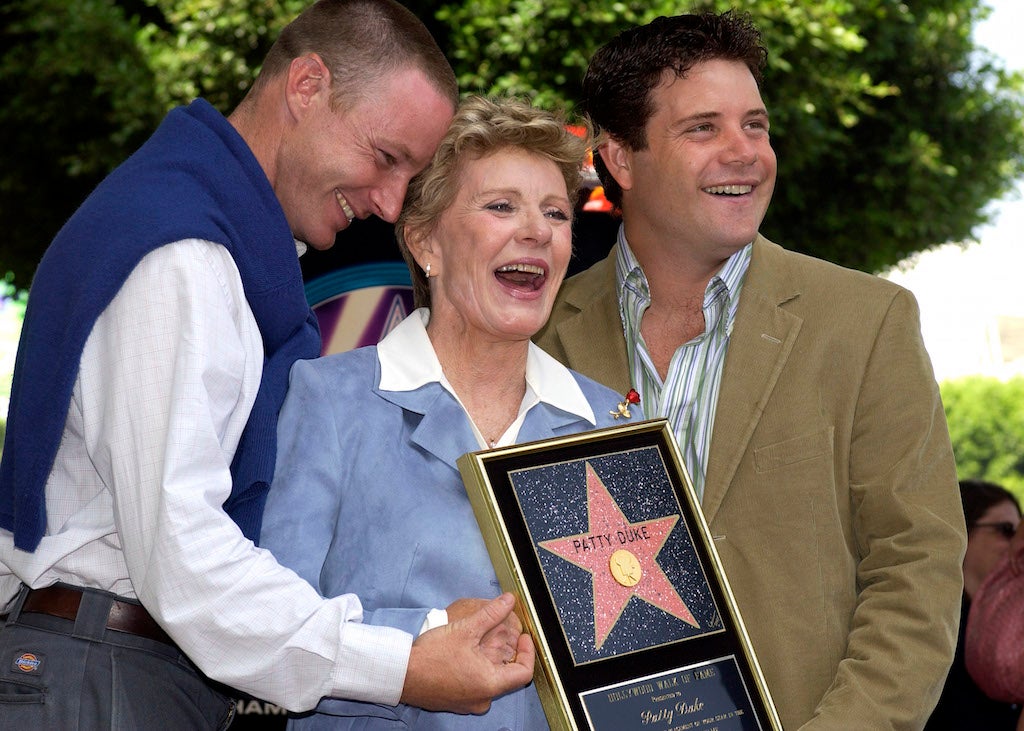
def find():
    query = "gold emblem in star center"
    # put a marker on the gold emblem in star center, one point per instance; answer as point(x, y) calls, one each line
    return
point(625, 568)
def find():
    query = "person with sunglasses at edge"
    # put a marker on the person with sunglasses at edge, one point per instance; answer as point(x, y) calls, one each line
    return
point(993, 515)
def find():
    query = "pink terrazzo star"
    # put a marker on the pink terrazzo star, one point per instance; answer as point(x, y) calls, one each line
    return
point(608, 532)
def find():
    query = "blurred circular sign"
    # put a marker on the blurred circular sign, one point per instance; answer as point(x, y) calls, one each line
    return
point(360, 304)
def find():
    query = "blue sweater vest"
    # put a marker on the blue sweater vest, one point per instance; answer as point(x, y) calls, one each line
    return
point(194, 178)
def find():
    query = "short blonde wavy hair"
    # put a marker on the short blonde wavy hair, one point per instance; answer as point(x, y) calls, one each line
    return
point(482, 127)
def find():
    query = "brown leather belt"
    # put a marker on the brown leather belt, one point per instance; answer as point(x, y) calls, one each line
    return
point(63, 601)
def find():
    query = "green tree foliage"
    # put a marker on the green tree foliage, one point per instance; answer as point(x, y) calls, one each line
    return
point(78, 94)
point(927, 132)
point(85, 82)
point(986, 426)
point(893, 131)
point(212, 48)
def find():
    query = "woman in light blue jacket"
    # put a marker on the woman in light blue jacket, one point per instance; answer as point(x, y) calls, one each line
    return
point(367, 497)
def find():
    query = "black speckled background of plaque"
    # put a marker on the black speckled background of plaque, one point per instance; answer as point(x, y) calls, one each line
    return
point(553, 501)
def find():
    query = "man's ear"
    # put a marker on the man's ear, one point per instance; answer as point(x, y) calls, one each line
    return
point(618, 159)
point(309, 80)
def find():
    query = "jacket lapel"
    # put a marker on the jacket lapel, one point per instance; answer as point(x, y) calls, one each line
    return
point(760, 345)
point(444, 430)
point(592, 339)
point(544, 421)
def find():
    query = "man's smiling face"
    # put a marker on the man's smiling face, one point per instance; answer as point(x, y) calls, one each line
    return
point(708, 172)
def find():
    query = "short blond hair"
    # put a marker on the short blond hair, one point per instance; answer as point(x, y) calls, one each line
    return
point(482, 127)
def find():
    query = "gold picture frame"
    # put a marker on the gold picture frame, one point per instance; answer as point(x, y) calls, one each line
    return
point(601, 538)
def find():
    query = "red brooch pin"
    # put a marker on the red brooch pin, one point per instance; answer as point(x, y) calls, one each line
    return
point(632, 397)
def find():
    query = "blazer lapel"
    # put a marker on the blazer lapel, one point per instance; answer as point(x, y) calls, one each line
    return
point(544, 421)
point(444, 430)
point(592, 339)
point(760, 344)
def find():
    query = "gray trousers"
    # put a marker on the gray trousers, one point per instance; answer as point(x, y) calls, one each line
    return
point(62, 675)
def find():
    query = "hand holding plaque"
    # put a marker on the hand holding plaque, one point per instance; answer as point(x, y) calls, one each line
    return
point(483, 644)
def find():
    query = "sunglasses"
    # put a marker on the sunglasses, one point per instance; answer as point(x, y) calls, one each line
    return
point(1006, 529)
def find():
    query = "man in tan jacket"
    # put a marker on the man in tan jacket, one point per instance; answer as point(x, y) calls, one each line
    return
point(801, 394)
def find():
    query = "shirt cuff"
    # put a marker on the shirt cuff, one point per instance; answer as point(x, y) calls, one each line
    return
point(372, 663)
point(435, 618)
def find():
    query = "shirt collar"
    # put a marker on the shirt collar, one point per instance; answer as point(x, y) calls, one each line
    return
point(407, 358)
point(627, 269)
point(630, 276)
point(408, 361)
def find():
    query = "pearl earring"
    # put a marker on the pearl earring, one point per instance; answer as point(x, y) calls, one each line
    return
point(427, 270)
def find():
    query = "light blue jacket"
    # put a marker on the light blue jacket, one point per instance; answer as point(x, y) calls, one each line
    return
point(367, 499)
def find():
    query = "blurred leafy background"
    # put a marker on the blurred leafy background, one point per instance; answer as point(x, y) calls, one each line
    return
point(894, 131)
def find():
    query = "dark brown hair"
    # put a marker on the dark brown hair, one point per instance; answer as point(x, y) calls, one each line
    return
point(623, 73)
point(978, 496)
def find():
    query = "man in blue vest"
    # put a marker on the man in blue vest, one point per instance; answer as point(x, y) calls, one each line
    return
point(161, 326)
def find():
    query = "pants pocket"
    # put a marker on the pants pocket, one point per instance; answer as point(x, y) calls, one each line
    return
point(21, 692)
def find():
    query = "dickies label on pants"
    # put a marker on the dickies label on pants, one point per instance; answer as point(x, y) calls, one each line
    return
point(27, 663)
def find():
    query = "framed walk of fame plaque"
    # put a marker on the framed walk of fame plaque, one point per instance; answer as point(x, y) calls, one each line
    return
point(601, 538)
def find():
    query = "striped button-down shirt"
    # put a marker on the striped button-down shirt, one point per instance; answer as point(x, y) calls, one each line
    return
point(689, 395)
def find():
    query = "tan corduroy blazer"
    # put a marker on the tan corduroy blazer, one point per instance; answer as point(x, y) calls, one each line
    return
point(831, 491)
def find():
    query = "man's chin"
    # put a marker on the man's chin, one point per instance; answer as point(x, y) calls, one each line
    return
point(323, 241)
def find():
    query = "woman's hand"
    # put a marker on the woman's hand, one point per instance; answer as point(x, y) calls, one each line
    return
point(462, 666)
